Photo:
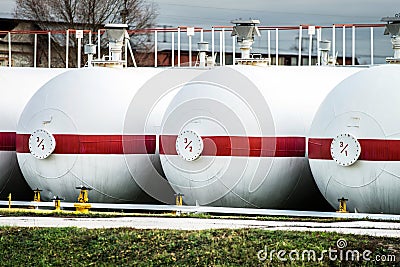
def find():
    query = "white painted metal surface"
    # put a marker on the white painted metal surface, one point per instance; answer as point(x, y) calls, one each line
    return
point(240, 102)
point(101, 102)
point(365, 106)
point(17, 85)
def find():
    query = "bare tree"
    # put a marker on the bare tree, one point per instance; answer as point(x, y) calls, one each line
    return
point(88, 15)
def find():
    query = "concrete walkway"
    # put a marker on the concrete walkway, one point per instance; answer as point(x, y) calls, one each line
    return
point(389, 229)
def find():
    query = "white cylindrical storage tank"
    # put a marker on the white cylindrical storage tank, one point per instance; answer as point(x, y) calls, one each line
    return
point(354, 143)
point(236, 136)
point(17, 86)
point(97, 128)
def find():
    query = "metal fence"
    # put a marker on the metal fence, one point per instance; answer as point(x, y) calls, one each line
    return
point(355, 41)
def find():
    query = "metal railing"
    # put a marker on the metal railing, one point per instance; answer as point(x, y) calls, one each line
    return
point(222, 45)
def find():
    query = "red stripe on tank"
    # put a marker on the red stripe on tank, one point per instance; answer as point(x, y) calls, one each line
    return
point(371, 149)
point(7, 141)
point(95, 144)
point(242, 146)
point(319, 148)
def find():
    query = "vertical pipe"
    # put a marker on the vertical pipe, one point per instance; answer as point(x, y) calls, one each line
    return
point(212, 45)
point(190, 51)
point(220, 48)
point(353, 45)
point(9, 50)
point(344, 45)
point(155, 49)
point(201, 35)
point(172, 49)
point(269, 44)
point(334, 41)
point(372, 46)
point(35, 51)
point(49, 59)
point(277, 46)
point(300, 43)
point(319, 36)
point(233, 50)
point(98, 44)
point(67, 49)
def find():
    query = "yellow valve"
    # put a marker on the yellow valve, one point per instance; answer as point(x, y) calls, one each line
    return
point(9, 201)
point(83, 199)
point(84, 194)
point(36, 196)
point(342, 205)
point(179, 199)
point(57, 203)
point(82, 207)
point(178, 202)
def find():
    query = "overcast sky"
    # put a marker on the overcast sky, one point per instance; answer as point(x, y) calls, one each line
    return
point(207, 13)
point(277, 12)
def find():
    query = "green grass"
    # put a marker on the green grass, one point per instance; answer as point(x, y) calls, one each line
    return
point(132, 247)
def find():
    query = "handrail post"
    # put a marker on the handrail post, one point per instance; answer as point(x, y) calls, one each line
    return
point(372, 46)
point(344, 45)
point(67, 50)
point(220, 49)
point(300, 43)
point(212, 45)
point(9, 50)
point(269, 43)
point(277, 46)
point(49, 52)
point(179, 46)
point(155, 49)
point(223, 47)
point(35, 51)
point(353, 45)
point(172, 49)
